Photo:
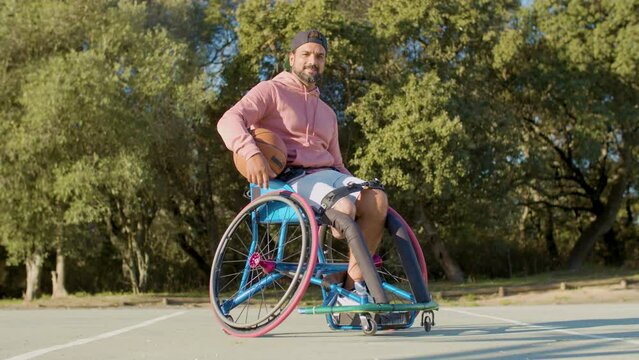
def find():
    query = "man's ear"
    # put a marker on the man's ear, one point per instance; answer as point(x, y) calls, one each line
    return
point(289, 61)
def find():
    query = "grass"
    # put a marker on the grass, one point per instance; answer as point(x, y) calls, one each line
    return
point(105, 299)
point(10, 302)
point(466, 291)
point(585, 275)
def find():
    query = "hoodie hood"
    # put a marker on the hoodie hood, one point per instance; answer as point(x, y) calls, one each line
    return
point(291, 80)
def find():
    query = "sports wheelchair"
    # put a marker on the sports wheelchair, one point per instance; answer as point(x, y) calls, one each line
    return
point(278, 244)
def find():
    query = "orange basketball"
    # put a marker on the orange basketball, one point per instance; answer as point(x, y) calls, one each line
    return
point(271, 146)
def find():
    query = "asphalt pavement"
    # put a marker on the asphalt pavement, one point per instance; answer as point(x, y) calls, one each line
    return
point(597, 331)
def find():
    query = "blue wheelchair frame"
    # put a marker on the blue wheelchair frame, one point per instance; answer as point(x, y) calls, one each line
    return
point(276, 268)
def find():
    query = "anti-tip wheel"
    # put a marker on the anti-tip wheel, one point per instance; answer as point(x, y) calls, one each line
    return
point(428, 320)
point(428, 326)
point(370, 326)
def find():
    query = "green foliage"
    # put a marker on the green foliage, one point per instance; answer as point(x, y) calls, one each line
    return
point(578, 108)
point(510, 129)
point(411, 138)
point(100, 121)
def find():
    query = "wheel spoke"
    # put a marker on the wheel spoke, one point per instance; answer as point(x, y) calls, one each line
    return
point(239, 252)
point(266, 238)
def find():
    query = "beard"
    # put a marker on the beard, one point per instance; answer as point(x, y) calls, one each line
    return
point(308, 78)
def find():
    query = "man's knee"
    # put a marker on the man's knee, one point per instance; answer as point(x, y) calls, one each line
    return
point(346, 206)
point(372, 202)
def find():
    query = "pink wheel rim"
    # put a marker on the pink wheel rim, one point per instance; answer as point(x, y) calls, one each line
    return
point(304, 282)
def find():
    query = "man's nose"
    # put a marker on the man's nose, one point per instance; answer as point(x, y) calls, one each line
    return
point(313, 60)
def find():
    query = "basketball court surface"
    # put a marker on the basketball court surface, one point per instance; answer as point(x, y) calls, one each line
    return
point(594, 331)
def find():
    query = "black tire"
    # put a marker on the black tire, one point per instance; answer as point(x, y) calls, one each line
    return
point(371, 326)
point(428, 326)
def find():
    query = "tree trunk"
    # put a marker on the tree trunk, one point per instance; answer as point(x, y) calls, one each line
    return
point(206, 222)
point(630, 218)
point(130, 263)
point(142, 260)
point(603, 222)
point(131, 243)
point(522, 225)
point(613, 254)
point(135, 261)
point(522, 235)
point(141, 256)
point(132, 274)
point(121, 239)
point(451, 268)
point(57, 276)
point(549, 236)
point(201, 263)
point(34, 266)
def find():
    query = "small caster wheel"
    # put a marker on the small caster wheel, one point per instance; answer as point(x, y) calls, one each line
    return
point(428, 326)
point(428, 320)
point(369, 326)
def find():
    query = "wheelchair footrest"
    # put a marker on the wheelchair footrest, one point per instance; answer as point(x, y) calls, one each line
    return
point(370, 308)
point(394, 320)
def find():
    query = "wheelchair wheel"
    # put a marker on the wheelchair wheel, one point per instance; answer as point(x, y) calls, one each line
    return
point(263, 264)
point(390, 269)
point(416, 246)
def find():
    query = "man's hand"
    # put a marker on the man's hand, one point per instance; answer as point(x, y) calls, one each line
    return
point(259, 170)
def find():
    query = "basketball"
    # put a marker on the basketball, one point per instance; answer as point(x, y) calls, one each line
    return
point(271, 146)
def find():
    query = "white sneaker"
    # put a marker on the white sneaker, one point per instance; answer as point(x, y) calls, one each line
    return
point(345, 301)
point(362, 291)
point(344, 318)
point(341, 300)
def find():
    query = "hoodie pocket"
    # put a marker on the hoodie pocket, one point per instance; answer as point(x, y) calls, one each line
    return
point(309, 157)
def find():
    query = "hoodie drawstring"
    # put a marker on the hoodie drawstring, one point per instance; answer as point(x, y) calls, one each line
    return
point(306, 112)
point(309, 125)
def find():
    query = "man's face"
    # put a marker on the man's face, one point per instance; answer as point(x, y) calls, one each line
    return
point(307, 62)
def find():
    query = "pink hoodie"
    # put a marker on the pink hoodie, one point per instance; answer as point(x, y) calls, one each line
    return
point(307, 124)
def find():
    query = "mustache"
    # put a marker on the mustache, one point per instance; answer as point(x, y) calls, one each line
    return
point(314, 67)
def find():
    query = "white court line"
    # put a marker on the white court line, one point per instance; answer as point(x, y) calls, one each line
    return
point(543, 328)
point(36, 353)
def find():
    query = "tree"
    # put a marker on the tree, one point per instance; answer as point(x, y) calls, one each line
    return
point(30, 212)
point(399, 127)
point(567, 67)
point(434, 79)
point(121, 94)
point(141, 132)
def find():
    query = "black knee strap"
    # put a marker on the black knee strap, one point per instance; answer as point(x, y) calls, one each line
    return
point(332, 197)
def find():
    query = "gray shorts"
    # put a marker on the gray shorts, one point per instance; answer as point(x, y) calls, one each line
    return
point(313, 187)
